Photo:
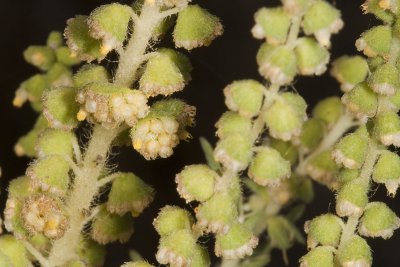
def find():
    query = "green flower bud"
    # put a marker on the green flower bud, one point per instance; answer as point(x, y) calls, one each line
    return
point(355, 252)
point(329, 110)
point(163, 27)
point(376, 41)
point(373, 7)
point(163, 74)
point(378, 221)
point(217, 214)
point(20, 187)
point(351, 151)
point(41, 243)
point(177, 249)
point(108, 227)
point(91, 252)
point(171, 219)
point(349, 71)
point(60, 108)
point(277, 64)
point(137, 264)
point(44, 214)
point(129, 194)
point(325, 230)
point(196, 182)
point(312, 58)
point(296, 7)
point(42, 57)
point(237, 243)
point(79, 41)
point(50, 173)
point(374, 62)
point(55, 40)
point(302, 188)
point(311, 135)
point(233, 123)
point(90, 73)
point(322, 168)
point(384, 80)
point(65, 57)
point(281, 232)
point(286, 116)
point(361, 101)
point(393, 102)
point(13, 252)
point(387, 171)
point(111, 104)
point(322, 19)
point(347, 175)
point(318, 257)
point(387, 128)
point(245, 97)
point(286, 149)
point(55, 142)
point(26, 144)
point(59, 76)
point(31, 89)
point(155, 137)
point(351, 199)
point(109, 23)
point(268, 167)
point(201, 257)
point(234, 152)
point(196, 27)
point(273, 24)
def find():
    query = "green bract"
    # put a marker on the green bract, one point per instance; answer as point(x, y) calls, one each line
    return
point(351, 199)
point(233, 123)
point(361, 101)
point(171, 219)
point(376, 41)
point(312, 58)
point(387, 171)
point(349, 71)
point(324, 230)
point(273, 24)
point(355, 252)
point(318, 257)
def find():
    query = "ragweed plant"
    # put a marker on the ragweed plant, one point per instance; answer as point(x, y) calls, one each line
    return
point(55, 213)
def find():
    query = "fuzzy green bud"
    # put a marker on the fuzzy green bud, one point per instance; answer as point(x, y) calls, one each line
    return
point(351, 151)
point(361, 101)
point(233, 123)
point(91, 252)
point(384, 80)
point(325, 230)
point(129, 194)
point(32, 90)
point(55, 142)
point(296, 7)
point(196, 182)
point(237, 243)
point(323, 168)
point(329, 110)
point(352, 199)
point(164, 73)
point(349, 71)
point(387, 171)
point(277, 64)
point(272, 24)
point(26, 144)
point(355, 252)
point(268, 167)
point(312, 58)
point(234, 151)
point(322, 19)
point(196, 27)
point(245, 97)
point(60, 108)
point(59, 75)
point(287, 150)
point(376, 41)
point(109, 23)
point(373, 7)
point(171, 219)
point(285, 117)
point(54, 40)
point(378, 221)
point(13, 252)
point(42, 57)
point(311, 135)
point(79, 41)
point(217, 214)
point(281, 232)
point(318, 257)
point(137, 264)
point(374, 62)
point(50, 173)
point(387, 128)
point(90, 73)
point(65, 57)
point(347, 175)
point(107, 227)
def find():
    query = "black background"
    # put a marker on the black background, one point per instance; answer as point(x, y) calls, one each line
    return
point(230, 57)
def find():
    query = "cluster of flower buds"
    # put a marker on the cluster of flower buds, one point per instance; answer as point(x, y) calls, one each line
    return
point(281, 58)
point(55, 61)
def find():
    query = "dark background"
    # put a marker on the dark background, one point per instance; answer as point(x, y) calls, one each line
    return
point(229, 58)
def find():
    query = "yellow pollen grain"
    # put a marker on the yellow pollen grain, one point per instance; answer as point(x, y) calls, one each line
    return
point(17, 102)
point(137, 144)
point(104, 49)
point(81, 115)
point(52, 224)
